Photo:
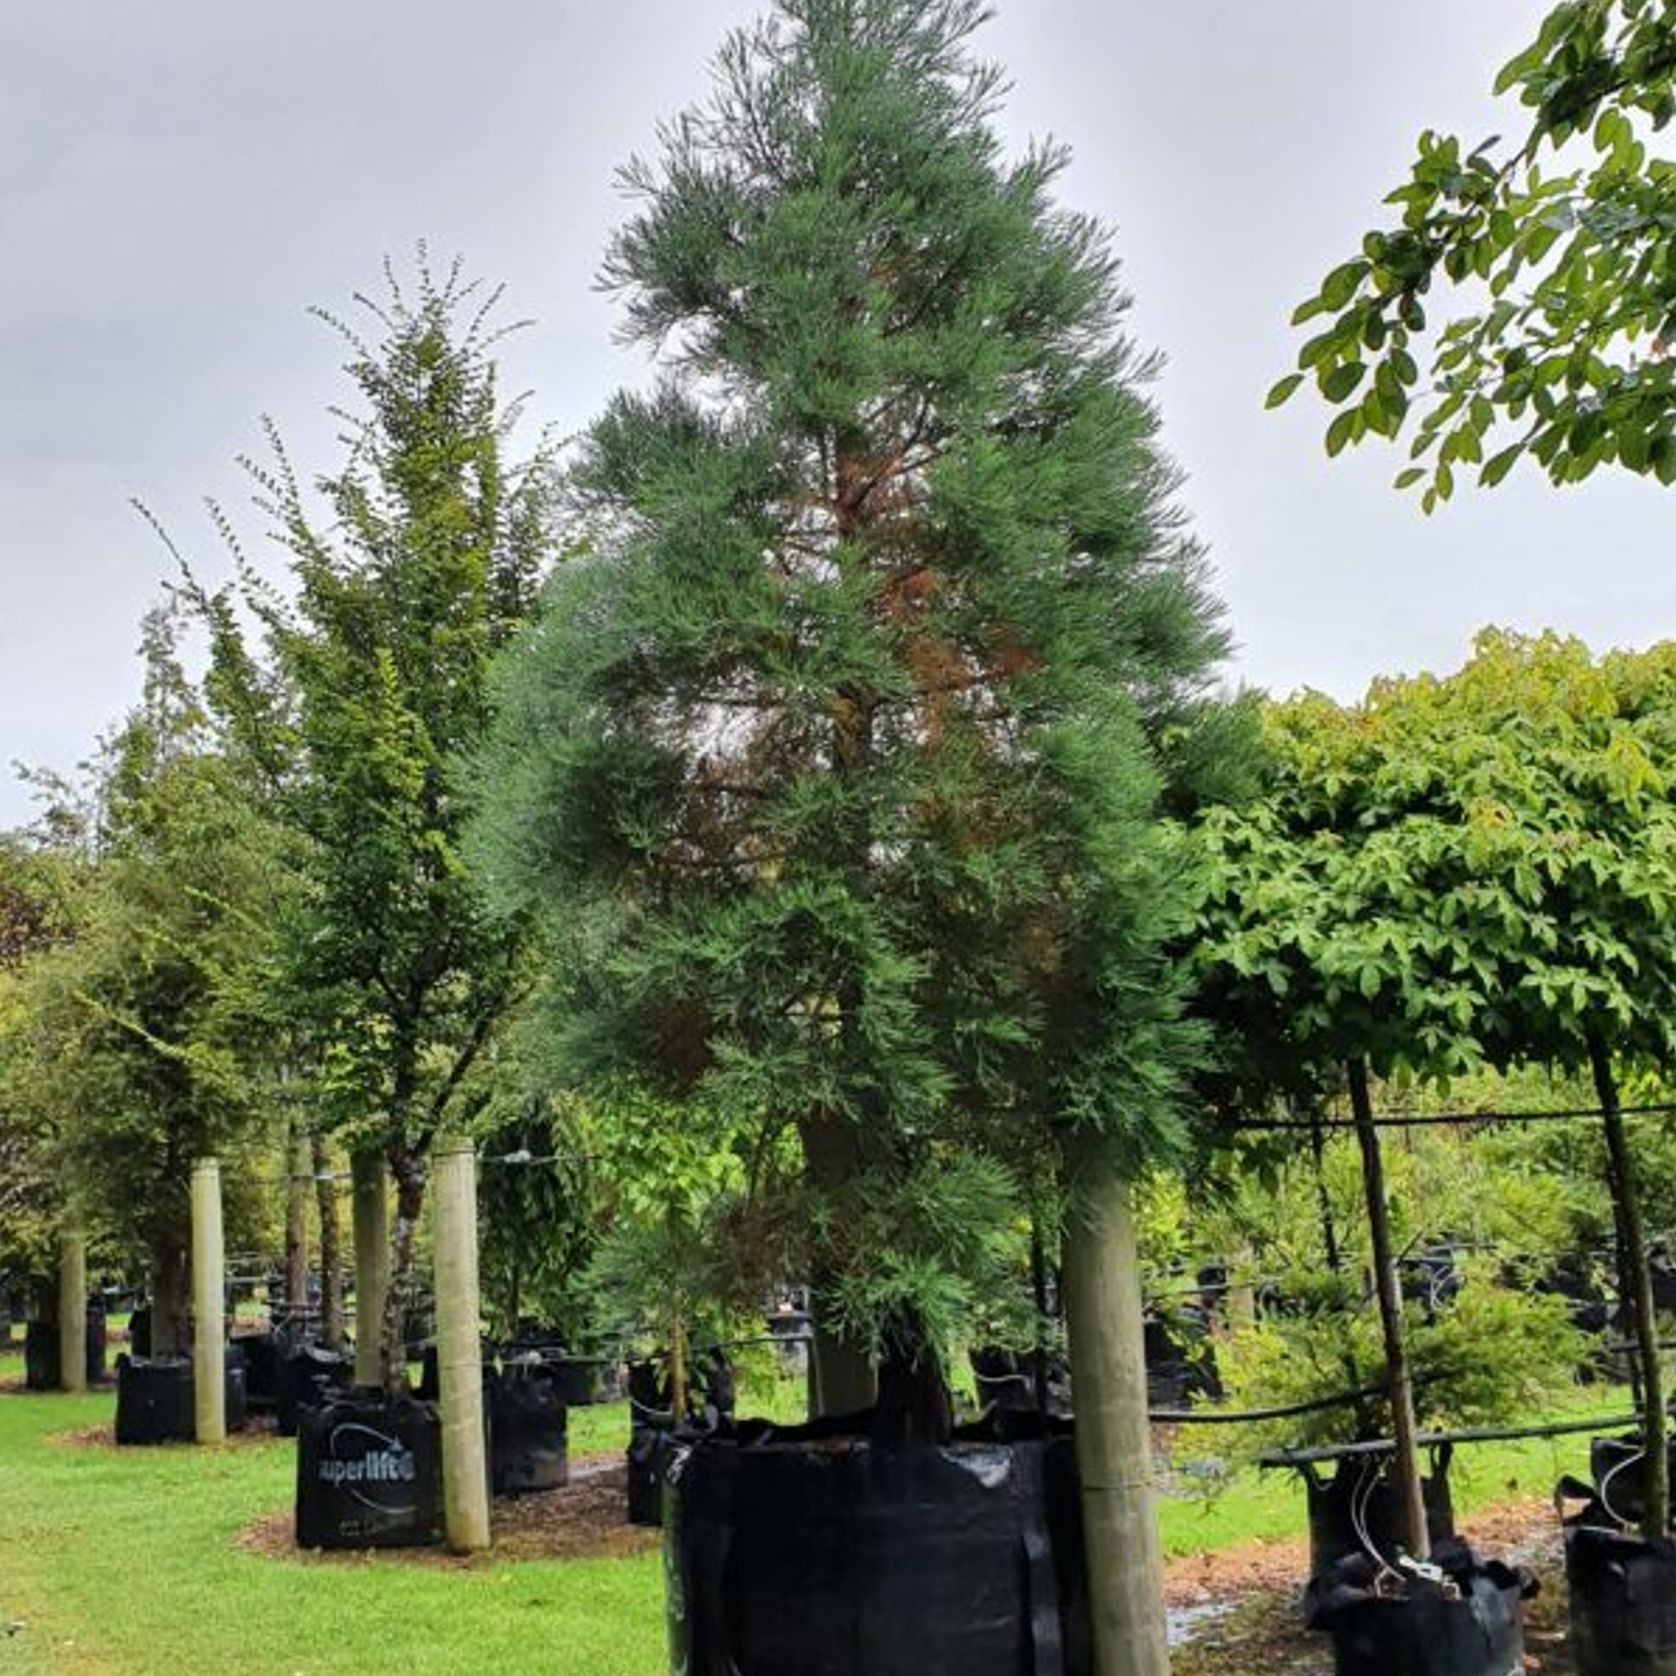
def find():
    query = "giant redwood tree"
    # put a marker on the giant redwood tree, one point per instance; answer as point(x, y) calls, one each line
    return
point(836, 766)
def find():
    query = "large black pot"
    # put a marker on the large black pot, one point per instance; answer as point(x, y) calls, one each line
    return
point(1360, 1494)
point(264, 1370)
point(40, 1356)
point(1623, 1598)
point(154, 1400)
point(528, 1445)
point(369, 1474)
point(97, 1373)
point(803, 1553)
point(310, 1377)
point(1470, 1623)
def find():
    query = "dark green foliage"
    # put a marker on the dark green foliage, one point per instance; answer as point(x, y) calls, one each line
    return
point(835, 767)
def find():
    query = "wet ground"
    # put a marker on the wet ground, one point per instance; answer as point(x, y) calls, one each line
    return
point(1256, 1629)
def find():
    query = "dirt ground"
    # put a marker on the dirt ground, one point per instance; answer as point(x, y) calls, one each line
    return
point(1237, 1613)
point(585, 1520)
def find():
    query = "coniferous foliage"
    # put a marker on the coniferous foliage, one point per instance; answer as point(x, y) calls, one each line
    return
point(836, 764)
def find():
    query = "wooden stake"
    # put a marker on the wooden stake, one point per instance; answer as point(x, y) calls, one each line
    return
point(209, 1304)
point(372, 1265)
point(459, 1325)
point(1411, 1496)
point(72, 1310)
point(1114, 1442)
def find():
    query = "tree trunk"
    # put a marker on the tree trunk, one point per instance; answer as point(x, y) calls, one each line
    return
point(1411, 1497)
point(459, 1328)
point(1114, 1441)
point(1039, 1294)
point(372, 1266)
point(841, 1377)
point(331, 1247)
point(298, 1168)
point(209, 1297)
point(410, 1204)
point(1636, 1288)
point(170, 1290)
point(72, 1310)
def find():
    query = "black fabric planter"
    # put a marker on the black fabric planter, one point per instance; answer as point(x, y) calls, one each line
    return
point(579, 1379)
point(97, 1372)
point(791, 1553)
point(40, 1356)
point(1623, 1598)
point(1004, 1380)
point(650, 1451)
point(139, 1331)
point(369, 1474)
point(1360, 1492)
point(237, 1399)
point(527, 1431)
point(154, 1401)
point(1472, 1625)
point(310, 1377)
point(264, 1370)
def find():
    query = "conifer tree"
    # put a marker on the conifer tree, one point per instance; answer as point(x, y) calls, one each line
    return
point(836, 765)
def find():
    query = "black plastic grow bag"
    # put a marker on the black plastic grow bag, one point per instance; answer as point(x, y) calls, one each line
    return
point(1387, 1624)
point(1360, 1494)
point(369, 1474)
point(799, 1552)
point(97, 1373)
point(310, 1376)
point(527, 1431)
point(1623, 1598)
point(264, 1370)
point(40, 1356)
point(154, 1400)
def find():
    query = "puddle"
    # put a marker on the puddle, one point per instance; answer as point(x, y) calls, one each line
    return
point(1182, 1623)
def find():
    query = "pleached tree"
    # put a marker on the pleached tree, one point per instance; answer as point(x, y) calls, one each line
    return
point(836, 767)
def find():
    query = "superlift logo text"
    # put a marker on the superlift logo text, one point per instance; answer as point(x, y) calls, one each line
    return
point(370, 1466)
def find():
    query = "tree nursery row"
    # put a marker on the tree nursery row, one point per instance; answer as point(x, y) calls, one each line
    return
point(778, 886)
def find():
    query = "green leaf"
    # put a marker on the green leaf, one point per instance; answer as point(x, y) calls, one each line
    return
point(1339, 381)
point(1283, 391)
point(1500, 465)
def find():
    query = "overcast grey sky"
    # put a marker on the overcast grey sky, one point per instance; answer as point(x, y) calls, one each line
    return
point(179, 180)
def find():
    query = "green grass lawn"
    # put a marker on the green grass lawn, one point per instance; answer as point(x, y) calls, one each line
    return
point(124, 1563)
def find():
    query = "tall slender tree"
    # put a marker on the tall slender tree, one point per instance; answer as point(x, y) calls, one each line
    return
point(410, 565)
point(837, 765)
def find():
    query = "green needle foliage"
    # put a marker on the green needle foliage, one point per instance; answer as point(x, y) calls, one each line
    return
point(836, 767)
point(1560, 350)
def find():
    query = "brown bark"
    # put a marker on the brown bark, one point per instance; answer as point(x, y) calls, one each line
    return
point(170, 1295)
point(331, 1247)
point(409, 1175)
point(1406, 1467)
point(841, 1377)
point(297, 1169)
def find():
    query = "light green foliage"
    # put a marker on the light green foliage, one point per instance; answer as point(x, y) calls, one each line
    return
point(145, 1037)
point(410, 565)
point(1562, 244)
point(834, 767)
point(1491, 1354)
point(1477, 868)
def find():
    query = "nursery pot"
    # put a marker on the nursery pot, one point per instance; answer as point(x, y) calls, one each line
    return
point(310, 1376)
point(40, 1356)
point(1360, 1494)
point(264, 1370)
point(807, 1552)
point(97, 1372)
point(369, 1473)
point(1469, 1623)
point(154, 1400)
point(1623, 1598)
point(527, 1431)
